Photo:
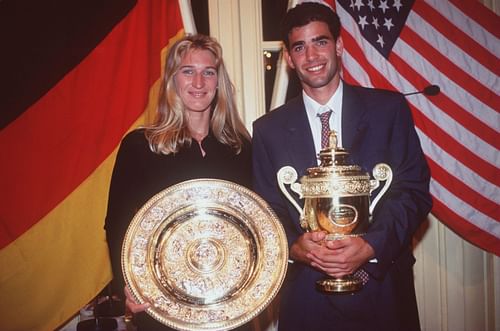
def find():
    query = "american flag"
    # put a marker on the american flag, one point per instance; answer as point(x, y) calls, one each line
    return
point(409, 45)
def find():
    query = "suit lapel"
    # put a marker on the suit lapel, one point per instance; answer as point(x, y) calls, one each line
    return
point(300, 141)
point(353, 118)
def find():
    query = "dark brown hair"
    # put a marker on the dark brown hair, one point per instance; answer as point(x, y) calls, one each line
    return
point(305, 13)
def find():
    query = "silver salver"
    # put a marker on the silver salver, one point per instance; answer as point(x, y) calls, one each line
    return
point(207, 254)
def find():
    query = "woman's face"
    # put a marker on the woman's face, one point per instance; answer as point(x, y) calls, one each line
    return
point(196, 80)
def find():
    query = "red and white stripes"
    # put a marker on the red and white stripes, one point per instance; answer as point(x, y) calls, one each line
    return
point(460, 128)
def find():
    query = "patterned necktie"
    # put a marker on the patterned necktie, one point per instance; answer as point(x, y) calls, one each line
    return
point(325, 128)
point(363, 275)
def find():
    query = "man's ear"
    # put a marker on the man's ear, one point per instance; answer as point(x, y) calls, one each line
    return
point(339, 46)
point(288, 58)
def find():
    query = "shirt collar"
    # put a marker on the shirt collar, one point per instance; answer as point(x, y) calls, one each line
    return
point(334, 103)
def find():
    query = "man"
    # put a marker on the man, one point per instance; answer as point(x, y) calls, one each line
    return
point(374, 126)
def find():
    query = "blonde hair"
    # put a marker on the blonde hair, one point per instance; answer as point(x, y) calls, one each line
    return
point(169, 132)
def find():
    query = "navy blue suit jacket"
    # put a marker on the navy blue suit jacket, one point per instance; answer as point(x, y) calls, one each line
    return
point(376, 127)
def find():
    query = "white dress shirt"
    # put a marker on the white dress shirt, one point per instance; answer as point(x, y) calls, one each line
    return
point(313, 108)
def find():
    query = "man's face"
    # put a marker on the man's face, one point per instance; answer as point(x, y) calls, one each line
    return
point(315, 56)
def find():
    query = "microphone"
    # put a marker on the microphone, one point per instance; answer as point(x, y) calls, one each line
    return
point(430, 90)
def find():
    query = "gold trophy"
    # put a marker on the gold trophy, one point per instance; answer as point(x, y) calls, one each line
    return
point(337, 201)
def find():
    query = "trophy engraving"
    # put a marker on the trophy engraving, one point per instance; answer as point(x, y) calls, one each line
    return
point(336, 200)
point(208, 255)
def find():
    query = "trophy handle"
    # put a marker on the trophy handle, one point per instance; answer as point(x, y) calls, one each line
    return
point(288, 175)
point(381, 172)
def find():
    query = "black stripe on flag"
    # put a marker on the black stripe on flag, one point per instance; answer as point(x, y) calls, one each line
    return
point(42, 40)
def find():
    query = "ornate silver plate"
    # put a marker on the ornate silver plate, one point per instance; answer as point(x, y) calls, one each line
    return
point(207, 254)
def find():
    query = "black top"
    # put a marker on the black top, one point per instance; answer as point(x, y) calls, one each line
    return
point(139, 174)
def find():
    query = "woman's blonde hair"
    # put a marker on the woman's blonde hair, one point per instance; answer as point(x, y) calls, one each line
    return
point(169, 132)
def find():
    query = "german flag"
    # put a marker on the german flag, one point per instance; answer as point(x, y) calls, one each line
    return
point(75, 76)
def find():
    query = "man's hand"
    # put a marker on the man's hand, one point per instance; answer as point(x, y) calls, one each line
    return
point(336, 258)
point(132, 305)
point(309, 241)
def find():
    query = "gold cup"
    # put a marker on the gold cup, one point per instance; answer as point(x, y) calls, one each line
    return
point(337, 201)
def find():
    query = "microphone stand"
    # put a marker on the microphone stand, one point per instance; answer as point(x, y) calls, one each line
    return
point(430, 90)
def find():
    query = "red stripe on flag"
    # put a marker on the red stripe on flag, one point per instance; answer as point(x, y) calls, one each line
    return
point(449, 106)
point(458, 151)
point(459, 189)
point(63, 138)
point(465, 228)
point(356, 52)
point(474, 179)
point(437, 134)
point(457, 37)
point(480, 14)
point(347, 77)
point(450, 70)
point(462, 154)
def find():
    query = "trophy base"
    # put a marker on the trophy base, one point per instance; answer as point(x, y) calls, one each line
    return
point(346, 284)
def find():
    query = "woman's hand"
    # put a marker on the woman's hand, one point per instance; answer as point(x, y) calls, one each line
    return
point(132, 305)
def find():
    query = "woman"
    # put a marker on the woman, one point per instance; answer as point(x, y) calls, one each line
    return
point(197, 134)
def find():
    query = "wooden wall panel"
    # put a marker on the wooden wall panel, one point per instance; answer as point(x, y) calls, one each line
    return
point(457, 283)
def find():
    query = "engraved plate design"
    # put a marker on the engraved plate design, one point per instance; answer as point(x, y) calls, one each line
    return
point(208, 254)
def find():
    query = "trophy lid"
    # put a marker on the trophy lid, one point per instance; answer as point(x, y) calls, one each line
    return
point(334, 162)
